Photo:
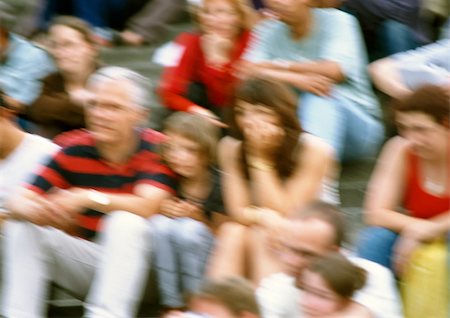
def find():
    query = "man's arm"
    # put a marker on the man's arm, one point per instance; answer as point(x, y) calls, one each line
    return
point(144, 201)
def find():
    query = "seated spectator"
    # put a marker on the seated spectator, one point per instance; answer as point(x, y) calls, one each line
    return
point(132, 22)
point(400, 74)
point(20, 153)
point(203, 80)
point(107, 181)
point(328, 285)
point(389, 26)
point(22, 66)
point(407, 202)
point(313, 232)
point(271, 164)
point(147, 21)
point(321, 54)
point(61, 104)
point(183, 230)
point(226, 298)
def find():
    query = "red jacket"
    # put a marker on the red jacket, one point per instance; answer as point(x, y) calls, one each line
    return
point(192, 67)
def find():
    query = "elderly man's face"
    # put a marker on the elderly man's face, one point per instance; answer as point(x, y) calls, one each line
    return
point(111, 115)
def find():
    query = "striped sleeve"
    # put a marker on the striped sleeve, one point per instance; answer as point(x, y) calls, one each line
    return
point(49, 176)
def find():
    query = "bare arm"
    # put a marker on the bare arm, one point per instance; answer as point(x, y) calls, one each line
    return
point(301, 187)
point(235, 190)
point(267, 189)
point(386, 188)
point(386, 77)
point(329, 69)
point(144, 201)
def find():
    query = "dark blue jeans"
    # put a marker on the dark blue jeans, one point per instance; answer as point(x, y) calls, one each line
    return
point(375, 244)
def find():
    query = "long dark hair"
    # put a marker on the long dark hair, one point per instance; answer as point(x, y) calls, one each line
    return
point(279, 98)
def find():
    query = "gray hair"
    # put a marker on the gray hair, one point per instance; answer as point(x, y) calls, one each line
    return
point(140, 86)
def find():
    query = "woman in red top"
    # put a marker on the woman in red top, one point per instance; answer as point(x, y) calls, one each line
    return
point(413, 173)
point(203, 80)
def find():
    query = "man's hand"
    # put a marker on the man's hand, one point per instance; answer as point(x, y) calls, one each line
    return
point(314, 83)
point(39, 210)
point(73, 201)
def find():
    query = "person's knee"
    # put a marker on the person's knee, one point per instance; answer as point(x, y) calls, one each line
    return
point(123, 221)
point(192, 234)
point(375, 244)
point(22, 230)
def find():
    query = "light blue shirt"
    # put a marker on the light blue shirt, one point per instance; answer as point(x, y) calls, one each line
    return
point(429, 64)
point(25, 65)
point(335, 36)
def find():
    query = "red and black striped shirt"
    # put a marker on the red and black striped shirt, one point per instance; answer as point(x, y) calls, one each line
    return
point(79, 164)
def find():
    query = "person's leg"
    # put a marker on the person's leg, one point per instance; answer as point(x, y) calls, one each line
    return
point(375, 244)
point(395, 37)
point(123, 267)
point(320, 116)
point(228, 256)
point(166, 260)
point(364, 133)
point(34, 256)
point(262, 255)
point(352, 132)
point(193, 241)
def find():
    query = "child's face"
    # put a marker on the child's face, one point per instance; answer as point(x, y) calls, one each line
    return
point(210, 308)
point(317, 299)
point(184, 156)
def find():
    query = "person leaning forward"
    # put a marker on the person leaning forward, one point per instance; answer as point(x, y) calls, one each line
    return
point(81, 223)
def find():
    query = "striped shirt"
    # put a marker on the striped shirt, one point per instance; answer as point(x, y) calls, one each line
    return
point(79, 164)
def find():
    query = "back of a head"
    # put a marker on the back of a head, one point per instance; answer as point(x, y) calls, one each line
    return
point(341, 275)
point(234, 293)
point(327, 213)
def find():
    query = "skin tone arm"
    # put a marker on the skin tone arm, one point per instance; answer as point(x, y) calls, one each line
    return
point(303, 186)
point(384, 193)
point(59, 208)
point(315, 77)
point(386, 188)
point(267, 190)
point(385, 75)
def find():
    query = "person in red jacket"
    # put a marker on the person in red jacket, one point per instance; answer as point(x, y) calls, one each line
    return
point(203, 80)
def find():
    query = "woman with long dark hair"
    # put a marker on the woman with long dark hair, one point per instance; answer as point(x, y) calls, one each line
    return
point(270, 169)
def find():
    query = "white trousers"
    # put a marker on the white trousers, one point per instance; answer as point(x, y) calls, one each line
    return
point(110, 274)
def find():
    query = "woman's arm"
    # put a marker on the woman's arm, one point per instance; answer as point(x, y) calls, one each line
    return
point(236, 194)
point(303, 186)
point(387, 186)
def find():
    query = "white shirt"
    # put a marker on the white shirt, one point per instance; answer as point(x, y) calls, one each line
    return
point(19, 166)
point(279, 298)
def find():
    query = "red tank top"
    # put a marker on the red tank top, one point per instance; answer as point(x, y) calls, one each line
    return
point(417, 200)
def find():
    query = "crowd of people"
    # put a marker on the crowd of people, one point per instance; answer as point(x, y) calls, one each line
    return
point(234, 204)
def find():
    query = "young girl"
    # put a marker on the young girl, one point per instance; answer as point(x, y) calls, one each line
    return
point(328, 286)
point(183, 229)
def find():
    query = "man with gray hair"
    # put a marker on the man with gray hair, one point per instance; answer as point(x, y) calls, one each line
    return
point(81, 223)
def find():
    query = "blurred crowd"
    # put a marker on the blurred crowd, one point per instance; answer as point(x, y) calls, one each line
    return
point(231, 208)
